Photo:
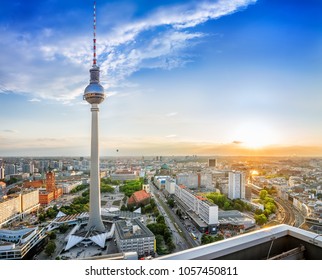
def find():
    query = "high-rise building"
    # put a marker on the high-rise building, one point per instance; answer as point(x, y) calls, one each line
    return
point(10, 169)
point(236, 185)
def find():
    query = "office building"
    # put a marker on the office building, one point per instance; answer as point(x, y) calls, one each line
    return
point(133, 236)
point(204, 213)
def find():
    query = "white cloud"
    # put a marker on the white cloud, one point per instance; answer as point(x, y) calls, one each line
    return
point(157, 40)
point(34, 100)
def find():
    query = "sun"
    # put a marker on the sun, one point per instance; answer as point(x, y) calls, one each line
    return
point(255, 135)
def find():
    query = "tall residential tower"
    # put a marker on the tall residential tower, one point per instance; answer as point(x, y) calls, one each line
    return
point(236, 185)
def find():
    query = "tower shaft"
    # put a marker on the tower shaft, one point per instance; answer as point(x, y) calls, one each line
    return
point(95, 220)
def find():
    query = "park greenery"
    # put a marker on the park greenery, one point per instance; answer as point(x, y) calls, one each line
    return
point(131, 186)
point(226, 204)
point(50, 247)
point(260, 216)
point(163, 236)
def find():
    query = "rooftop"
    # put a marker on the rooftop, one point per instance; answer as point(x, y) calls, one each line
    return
point(132, 229)
point(138, 196)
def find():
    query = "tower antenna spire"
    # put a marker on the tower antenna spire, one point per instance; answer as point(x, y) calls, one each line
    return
point(94, 35)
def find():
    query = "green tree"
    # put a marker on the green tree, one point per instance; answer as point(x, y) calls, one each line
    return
point(148, 208)
point(106, 188)
point(79, 188)
point(160, 219)
point(129, 187)
point(159, 244)
point(52, 235)
point(152, 203)
point(227, 206)
point(263, 194)
point(170, 202)
point(63, 228)
point(50, 248)
point(260, 219)
point(41, 218)
point(171, 246)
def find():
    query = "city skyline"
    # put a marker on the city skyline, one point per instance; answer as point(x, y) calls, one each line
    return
point(237, 77)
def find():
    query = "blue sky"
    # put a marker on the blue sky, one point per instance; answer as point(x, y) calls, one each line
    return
point(182, 77)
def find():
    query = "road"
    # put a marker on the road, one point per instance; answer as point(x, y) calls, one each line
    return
point(179, 232)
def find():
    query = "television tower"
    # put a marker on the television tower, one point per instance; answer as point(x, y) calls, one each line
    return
point(94, 95)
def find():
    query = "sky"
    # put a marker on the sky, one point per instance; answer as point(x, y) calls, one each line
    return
point(203, 77)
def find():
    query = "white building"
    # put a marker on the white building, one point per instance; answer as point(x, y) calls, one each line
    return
point(159, 181)
point(236, 185)
point(170, 185)
point(17, 205)
point(207, 211)
point(68, 187)
point(15, 244)
point(124, 175)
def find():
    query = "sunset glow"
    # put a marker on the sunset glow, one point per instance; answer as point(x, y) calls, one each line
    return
point(256, 136)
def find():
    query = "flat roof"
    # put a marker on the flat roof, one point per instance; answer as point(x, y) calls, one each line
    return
point(125, 229)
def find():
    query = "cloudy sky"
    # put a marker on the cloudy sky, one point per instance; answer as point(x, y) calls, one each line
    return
point(207, 77)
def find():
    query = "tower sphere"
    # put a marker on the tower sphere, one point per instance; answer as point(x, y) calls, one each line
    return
point(94, 92)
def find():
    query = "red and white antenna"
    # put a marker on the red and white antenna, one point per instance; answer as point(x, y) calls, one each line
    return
point(94, 35)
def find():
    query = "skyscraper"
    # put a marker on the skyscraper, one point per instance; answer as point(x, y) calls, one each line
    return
point(94, 95)
point(236, 185)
